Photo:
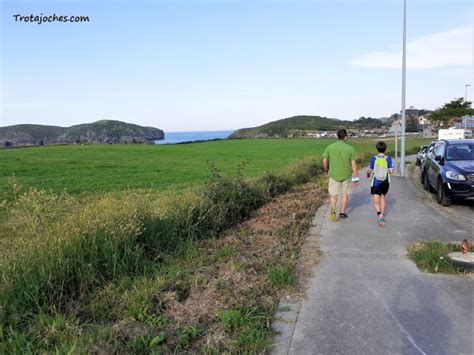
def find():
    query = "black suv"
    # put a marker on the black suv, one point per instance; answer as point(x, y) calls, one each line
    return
point(421, 154)
point(448, 169)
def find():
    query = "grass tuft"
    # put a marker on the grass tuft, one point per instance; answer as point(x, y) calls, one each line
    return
point(431, 257)
point(280, 275)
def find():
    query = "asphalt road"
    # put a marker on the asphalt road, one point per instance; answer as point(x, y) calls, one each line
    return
point(459, 210)
point(367, 297)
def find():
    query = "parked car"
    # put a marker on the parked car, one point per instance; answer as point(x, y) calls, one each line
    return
point(421, 154)
point(429, 150)
point(448, 169)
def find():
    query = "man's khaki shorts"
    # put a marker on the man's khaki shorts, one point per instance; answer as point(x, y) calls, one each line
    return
point(337, 187)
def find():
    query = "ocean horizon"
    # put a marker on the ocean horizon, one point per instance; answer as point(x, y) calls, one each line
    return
point(191, 136)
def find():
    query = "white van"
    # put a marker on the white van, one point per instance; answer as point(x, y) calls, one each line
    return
point(453, 133)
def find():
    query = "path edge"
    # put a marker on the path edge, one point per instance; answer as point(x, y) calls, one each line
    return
point(289, 307)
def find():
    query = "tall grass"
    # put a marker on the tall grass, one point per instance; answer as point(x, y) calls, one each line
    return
point(61, 249)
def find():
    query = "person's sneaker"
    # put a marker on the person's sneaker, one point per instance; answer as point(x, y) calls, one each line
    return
point(381, 219)
point(343, 215)
point(333, 214)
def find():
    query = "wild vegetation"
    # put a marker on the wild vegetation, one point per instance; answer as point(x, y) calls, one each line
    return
point(111, 273)
point(150, 270)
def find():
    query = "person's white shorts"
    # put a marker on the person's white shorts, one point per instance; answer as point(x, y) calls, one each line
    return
point(337, 187)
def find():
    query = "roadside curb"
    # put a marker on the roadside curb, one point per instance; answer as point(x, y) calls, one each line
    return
point(289, 307)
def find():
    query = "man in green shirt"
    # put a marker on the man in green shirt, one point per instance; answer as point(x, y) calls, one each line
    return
point(340, 157)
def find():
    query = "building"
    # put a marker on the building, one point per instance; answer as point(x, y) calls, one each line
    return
point(430, 132)
point(395, 128)
point(467, 122)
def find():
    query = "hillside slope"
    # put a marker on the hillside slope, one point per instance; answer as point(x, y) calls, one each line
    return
point(287, 126)
point(105, 131)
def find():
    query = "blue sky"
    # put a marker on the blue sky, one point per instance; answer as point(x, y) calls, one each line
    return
point(211, 65)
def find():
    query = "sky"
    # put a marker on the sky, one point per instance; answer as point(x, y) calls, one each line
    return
point(216, 65)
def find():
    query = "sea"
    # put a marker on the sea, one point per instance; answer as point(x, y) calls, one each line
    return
point(182, 137)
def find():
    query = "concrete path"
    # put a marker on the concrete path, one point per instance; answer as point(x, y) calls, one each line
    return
point(367, 297)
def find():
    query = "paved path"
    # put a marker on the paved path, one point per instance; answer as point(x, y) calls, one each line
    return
point(367, 297)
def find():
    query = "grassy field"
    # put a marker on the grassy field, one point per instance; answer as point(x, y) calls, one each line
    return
point(128, 272)
point(101, 168)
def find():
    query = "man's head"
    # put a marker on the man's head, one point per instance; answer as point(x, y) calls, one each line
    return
point(381, 147)
point(341, 134)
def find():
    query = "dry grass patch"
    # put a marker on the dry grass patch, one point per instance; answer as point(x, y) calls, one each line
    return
point(238, 281)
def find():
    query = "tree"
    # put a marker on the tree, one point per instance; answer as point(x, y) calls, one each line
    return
point(392, 119)
point(412, 123)
point(368, 122)
point(452, 110)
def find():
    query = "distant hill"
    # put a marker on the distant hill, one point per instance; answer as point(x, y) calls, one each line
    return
point(292, 125)
point(100, 132)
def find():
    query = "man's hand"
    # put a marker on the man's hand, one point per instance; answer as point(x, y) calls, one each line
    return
point(355, 180)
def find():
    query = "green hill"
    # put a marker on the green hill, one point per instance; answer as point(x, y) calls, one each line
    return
point(104, 131)
point(291, 126)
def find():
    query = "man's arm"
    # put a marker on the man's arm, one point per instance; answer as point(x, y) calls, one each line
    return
point(325, 165)
point(325, 160)
point(355, 172)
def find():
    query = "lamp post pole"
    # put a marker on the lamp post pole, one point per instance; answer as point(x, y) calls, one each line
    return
point(404, 69)
point(465, 100)
point(395, 124)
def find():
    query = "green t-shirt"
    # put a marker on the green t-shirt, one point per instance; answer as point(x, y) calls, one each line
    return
point(339, 155)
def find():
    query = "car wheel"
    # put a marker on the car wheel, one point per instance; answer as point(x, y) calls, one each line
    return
point(441, 195)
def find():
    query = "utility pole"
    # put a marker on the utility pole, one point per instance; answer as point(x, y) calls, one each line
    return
point(404, 69)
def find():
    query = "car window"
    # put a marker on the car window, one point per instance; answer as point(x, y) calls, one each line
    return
point(460, 152)
point(439, 149)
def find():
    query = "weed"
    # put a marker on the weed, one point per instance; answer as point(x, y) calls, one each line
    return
point(280, 275)
point(231, 318)
point(431, 256)
point(187, 334)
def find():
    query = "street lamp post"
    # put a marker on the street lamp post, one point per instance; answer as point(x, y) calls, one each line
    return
point(395, 124)
point(404, 69)
point(465, 100)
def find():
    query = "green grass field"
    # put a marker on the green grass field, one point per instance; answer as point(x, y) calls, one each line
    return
point(101, 168)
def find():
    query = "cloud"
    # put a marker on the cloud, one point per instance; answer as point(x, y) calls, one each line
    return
point(435, 50)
